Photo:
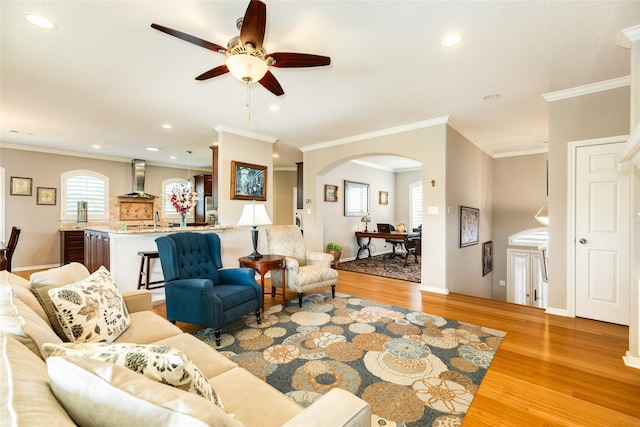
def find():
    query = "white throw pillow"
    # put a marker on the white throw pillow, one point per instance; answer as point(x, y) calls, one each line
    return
point(159, 363)
point(97, 393)
point(92, 309)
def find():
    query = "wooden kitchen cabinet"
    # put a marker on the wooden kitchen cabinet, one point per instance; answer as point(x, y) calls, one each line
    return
point(71, 246)
point(96, 249)
point(203, 188)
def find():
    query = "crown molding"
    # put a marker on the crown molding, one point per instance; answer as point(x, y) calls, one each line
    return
point(627, 36)
point(245, 133)
point(33, 148)
point(587, 89)
point(376, 134)
point(521, 153)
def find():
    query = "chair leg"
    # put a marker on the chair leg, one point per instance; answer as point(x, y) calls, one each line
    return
point(333, 291)
point(300, 299)
point(259, 316)
point(217, 333)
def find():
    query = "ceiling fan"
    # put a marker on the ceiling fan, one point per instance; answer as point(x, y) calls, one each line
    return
point(246, 58)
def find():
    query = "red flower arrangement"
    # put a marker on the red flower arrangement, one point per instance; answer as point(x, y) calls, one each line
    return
point(182, 198)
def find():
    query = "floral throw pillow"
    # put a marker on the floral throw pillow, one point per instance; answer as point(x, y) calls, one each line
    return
point(159, 363)
point(92, 309)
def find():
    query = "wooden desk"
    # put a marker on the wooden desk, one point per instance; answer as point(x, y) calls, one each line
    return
point(3, 256)
point(264, 264)
point(364, 239)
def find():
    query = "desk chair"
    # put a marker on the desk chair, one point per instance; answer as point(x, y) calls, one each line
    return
point(396, 243)
point(413, 246)
point(11, 245)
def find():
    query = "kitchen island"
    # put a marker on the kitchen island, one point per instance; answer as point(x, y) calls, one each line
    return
point(117, 249)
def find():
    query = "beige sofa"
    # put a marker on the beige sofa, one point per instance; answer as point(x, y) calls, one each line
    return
point(113, 395)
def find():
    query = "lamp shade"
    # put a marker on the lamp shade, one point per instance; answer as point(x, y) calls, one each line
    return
point(246, 68)
point(254, 214)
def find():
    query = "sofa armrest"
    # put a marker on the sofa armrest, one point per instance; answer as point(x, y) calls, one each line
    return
point(139, 300)
point(337, 408)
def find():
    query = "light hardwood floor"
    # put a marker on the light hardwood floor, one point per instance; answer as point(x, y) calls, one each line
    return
point(549, 370)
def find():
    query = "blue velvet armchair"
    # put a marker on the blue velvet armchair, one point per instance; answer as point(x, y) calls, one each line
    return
point(198, 290)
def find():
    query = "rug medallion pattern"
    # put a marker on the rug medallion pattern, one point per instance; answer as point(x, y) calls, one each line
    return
point(414, 369)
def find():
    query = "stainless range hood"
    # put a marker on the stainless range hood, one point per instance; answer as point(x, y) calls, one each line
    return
point(138, 172)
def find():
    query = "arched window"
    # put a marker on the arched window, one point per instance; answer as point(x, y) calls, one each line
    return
point(415, 204)
point(88, 186)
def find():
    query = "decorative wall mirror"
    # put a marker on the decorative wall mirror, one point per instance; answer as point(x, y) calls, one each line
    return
point(356, 198)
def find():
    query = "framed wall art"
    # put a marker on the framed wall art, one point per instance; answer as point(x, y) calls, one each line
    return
point(383, 198)
point(330, 193)
point(469, 226)
point(21, 186)
point(248, 182)
point(45, 196)
point(487, 258)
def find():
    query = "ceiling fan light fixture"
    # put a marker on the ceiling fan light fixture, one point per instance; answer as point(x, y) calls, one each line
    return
point(246, 68)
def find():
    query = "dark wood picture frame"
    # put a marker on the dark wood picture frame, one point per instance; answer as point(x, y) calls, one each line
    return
point(330, 193)
point(469, 226)
point(248, 181)
point(46, 196)
point(487, 257)
point(21, 186)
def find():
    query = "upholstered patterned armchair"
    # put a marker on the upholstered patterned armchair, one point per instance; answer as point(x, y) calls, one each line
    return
point(198, 290)
point(306, 270)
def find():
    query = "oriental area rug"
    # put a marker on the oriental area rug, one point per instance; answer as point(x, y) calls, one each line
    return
point(413, 368)
point(379, 266)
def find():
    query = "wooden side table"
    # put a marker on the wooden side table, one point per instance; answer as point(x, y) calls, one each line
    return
point(264, 264)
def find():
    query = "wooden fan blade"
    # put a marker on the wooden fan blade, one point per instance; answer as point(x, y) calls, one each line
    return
point(271, 84)
point(214, 72)
point(189, 38)
point(295, 60)
point(254, 23)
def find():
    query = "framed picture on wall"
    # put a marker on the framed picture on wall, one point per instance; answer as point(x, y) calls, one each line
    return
point(487, 258)
point(20, 186)
point(469, 226)
point(383, 198)
point(248, 182)
point(45, 196)
point(330, 193)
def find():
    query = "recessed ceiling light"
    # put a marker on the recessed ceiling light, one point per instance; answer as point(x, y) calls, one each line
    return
point(153, 149)
point(274, 107)
point(96, 146)
point(451, 40)
point(167, 126)
point(275, 155)
point(172, 157)
point(491, 97)
point(40, 21)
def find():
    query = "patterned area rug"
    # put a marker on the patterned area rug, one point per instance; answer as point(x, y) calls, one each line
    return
point(414, 369)
point(378, 266)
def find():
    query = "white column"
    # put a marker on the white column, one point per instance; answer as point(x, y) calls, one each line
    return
point(630, 38)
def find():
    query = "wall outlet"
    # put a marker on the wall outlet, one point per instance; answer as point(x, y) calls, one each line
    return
point(502, 283)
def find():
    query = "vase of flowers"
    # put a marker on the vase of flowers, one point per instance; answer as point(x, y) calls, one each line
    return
point(183, 200)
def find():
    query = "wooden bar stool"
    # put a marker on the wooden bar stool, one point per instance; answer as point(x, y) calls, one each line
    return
point(145, 273)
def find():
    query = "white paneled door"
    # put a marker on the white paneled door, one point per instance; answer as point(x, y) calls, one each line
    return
point(602, 226)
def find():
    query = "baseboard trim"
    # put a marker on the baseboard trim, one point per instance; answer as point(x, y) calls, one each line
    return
point(631, 361)
point(441, 291)
point(36, 267)
point(558, 312)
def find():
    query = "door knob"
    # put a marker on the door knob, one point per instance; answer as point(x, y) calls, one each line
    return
point(583, 241)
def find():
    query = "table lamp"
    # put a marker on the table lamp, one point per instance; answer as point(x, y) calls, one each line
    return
point(254, 215)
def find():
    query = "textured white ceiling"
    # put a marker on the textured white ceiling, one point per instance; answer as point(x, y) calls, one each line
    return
point(105, 77)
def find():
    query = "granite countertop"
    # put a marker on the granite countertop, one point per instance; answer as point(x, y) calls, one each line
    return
point(136, 229)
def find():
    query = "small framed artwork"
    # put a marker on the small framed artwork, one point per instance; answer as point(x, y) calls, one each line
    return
point(383, 198)
point(248, 182)
point(21, 186)
point(330, 193)
point(469, 226)
point(487, 258)
point(45, 196)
